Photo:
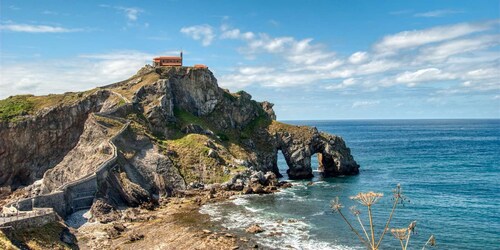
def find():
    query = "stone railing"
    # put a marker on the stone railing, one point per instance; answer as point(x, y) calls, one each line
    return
point(61, 200)
point(35, 218)
point(9, 217)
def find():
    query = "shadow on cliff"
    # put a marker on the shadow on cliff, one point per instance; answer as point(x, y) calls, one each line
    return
point(53, 235)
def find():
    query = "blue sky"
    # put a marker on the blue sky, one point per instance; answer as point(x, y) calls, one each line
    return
point(313, 59)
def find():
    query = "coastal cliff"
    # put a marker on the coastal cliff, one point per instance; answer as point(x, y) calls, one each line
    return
point(182, 130)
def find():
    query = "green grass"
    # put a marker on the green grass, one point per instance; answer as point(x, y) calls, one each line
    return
point(193, 161)
point(230, 96)
point(15, 107)
point(262, 121)
point(185, 118)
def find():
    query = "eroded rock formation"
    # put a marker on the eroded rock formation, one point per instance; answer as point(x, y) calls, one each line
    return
point(182, 129)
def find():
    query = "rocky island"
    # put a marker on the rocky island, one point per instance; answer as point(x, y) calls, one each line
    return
point(147, 142)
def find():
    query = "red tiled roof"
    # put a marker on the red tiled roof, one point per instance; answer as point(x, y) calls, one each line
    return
point(167, 57)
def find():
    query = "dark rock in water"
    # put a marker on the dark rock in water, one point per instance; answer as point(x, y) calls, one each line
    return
point(284, 184)
point(258, 189)
point(247, 190)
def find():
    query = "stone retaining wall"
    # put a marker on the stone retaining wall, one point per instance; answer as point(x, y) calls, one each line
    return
point(35, 220)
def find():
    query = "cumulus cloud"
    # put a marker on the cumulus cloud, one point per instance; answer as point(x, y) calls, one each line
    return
point(235, 34)
point(29, 28)
point(205, 33)
point(461, 52)
point(358, 57)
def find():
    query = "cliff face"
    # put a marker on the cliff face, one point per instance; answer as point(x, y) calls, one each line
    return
point(33, 145)
point(183, 129)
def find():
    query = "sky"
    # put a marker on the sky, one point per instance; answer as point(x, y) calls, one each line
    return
point(315, 60)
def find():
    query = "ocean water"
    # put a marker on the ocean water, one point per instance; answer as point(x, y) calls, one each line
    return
point(449, 171)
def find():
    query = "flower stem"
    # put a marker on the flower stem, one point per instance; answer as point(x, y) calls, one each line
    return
point(386, 228)
point(371, 227)
point(354, 230)
point(407, 239)
point(363, 227)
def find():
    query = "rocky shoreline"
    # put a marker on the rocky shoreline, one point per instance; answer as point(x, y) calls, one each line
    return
point(175, 223)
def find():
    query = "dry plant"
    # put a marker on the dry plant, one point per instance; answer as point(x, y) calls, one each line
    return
point(368, 239)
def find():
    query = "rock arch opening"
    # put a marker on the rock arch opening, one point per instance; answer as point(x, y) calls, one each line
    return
point(325, 153)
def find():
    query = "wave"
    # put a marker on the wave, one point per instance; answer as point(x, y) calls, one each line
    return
point(281, 232)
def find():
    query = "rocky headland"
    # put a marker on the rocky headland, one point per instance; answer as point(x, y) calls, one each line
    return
point(165, 132)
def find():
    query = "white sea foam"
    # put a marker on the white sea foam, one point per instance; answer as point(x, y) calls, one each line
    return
point(281, 232)
point(240, 201)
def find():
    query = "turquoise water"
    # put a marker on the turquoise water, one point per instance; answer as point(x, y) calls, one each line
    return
point(449, 170)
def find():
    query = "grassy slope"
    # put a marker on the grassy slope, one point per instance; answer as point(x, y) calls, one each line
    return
point(128, 91)
point(15, 107)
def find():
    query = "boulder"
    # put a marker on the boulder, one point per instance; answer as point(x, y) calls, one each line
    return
point(103, 211)
point(254, 229)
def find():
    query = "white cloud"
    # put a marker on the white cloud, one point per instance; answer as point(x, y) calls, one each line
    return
point(255, 70)
point(415, 38)
point(345, 83)
point(358, 104)
point(295, 51)
point(70, 74)
point(131, 12)
point(327, 66)
point(204, 32)
point(29, 28)
point(423, 75)
point(358, 57)
point(437, 13)
point(484, 73)
point(377, 66)
point(444, 50)
point(303, 62)
point(236, 34)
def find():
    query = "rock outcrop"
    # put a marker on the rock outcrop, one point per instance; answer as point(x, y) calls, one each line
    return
point(33, 145)
point(183, 129)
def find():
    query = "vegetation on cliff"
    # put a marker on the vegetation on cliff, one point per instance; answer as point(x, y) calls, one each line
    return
point(14, 108)
point(39, 238)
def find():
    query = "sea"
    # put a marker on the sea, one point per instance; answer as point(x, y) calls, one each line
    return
point(449, 171)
